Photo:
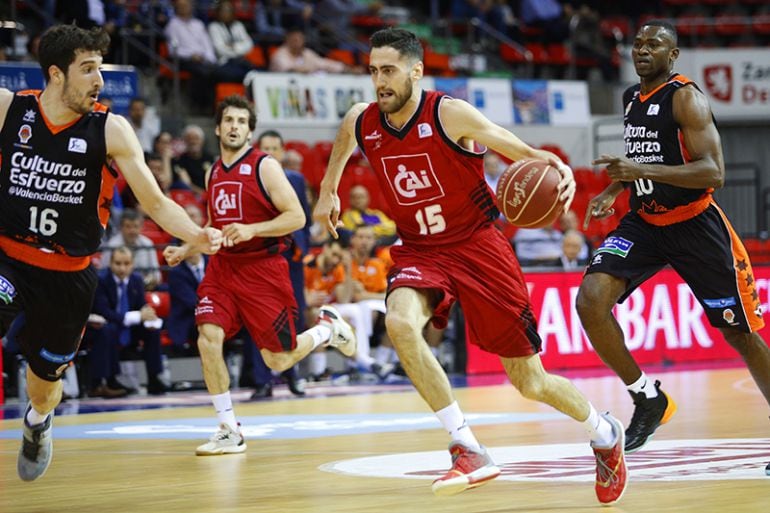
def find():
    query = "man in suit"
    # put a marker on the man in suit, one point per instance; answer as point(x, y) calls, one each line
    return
point(131, 325)
point(183, 283)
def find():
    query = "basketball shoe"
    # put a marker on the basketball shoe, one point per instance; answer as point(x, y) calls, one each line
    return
point(648, 415)
point(611, 475)
point(470, 469)
point(36, 448)
point(342, 337)
point(225, 441)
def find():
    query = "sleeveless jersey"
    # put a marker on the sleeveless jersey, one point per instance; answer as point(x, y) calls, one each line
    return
point(652, 136)
point(236, 195)
point(55, 186)
point(434, 187)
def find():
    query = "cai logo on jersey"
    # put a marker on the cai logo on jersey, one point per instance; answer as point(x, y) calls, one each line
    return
point(719, 81)
point(412, 179)
point(227, 201)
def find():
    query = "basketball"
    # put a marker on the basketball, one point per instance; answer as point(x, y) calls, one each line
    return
point(527, 194)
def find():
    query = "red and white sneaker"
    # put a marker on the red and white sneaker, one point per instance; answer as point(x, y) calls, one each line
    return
point(611, 475)
point(342, 337)
point(470, 469)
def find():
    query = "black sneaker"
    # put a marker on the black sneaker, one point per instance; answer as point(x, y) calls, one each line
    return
point(648, 415)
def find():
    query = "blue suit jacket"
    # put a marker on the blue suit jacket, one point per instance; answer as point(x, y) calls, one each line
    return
point(182, 288)
point(106, 298)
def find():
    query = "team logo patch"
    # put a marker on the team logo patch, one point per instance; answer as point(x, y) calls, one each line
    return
point(729, 316)
point(25, 133)
point(7, 291)
point(720, 303)
point(669, 460)
point(245, 169)
point(77, 145)
point(412, 179)
point(424, 130)
point(653, 109)
point(29, 116)
point(227, 201)
point(616, 246)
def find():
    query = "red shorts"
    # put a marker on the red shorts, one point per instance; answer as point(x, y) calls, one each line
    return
point(253, 292)
point(484, 275)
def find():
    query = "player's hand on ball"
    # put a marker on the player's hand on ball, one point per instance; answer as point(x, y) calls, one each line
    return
point(567, 186)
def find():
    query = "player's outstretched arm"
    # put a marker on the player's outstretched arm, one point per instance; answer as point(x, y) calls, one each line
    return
point(124, 148)
point(464, 124)
point(327, 208)
point(281, 193)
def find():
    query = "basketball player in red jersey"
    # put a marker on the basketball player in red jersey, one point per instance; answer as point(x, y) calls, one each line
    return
point(673, 163)
point(247, 282)
point(421, 146)
point(56, 183)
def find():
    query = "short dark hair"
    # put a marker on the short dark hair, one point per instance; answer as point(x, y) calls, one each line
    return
point(130, 214)
point(239, 102)
point(269, 133)
point(665, 25)
point(60, 44)
point(403, 41)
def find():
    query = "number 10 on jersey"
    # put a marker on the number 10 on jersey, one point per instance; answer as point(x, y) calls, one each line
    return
point(430, 220)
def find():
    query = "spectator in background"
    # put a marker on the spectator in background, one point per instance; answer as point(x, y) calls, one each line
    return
point(183, 283)
point(85, 14)
point(294, 56)
point(493, 168)
point(334, 19)
point(537, 246)
point(359, 213)
point(192, 165)
point(130, 322)
point(145, 258)
point(145, 130)
point(569, 221)
point(273, 17)
point(572, 243)
point(155, 13)
point(189, 41)
point(588, 41)
point(547, 15)
point(231, 40)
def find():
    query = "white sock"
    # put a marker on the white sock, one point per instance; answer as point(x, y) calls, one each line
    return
point(453, 421)
point(320, 334)
point(599, 429)
point(34, 418)
point(223, 404)
point(317, 363)
point(643, 384)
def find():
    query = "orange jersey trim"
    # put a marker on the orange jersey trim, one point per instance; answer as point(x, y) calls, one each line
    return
point(678, 214)
point(34, 256)
point(744, 277)
point(676, 78)
point(55, 129)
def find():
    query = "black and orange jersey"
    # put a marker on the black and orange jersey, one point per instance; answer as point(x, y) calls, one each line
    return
point(55, 186)
point(652, 136)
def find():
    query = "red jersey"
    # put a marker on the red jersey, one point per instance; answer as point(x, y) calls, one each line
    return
point(434, 187)
point(236, 195)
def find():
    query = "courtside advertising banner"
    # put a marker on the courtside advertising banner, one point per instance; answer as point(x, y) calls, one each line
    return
point(662, 321)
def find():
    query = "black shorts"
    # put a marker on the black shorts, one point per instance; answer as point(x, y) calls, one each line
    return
point(704, 250)
point(56, 306)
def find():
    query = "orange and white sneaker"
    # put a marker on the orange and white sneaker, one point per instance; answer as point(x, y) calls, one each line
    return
point(470, 469)
point(611, 475)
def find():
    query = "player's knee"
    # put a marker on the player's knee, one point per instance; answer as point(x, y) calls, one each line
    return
point(530, 387)
point(589, 302)
point(399, 327)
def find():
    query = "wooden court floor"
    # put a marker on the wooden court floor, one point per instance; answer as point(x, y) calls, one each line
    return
point(356, 453)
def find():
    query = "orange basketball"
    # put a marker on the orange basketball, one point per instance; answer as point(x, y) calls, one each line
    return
point(527, 194)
